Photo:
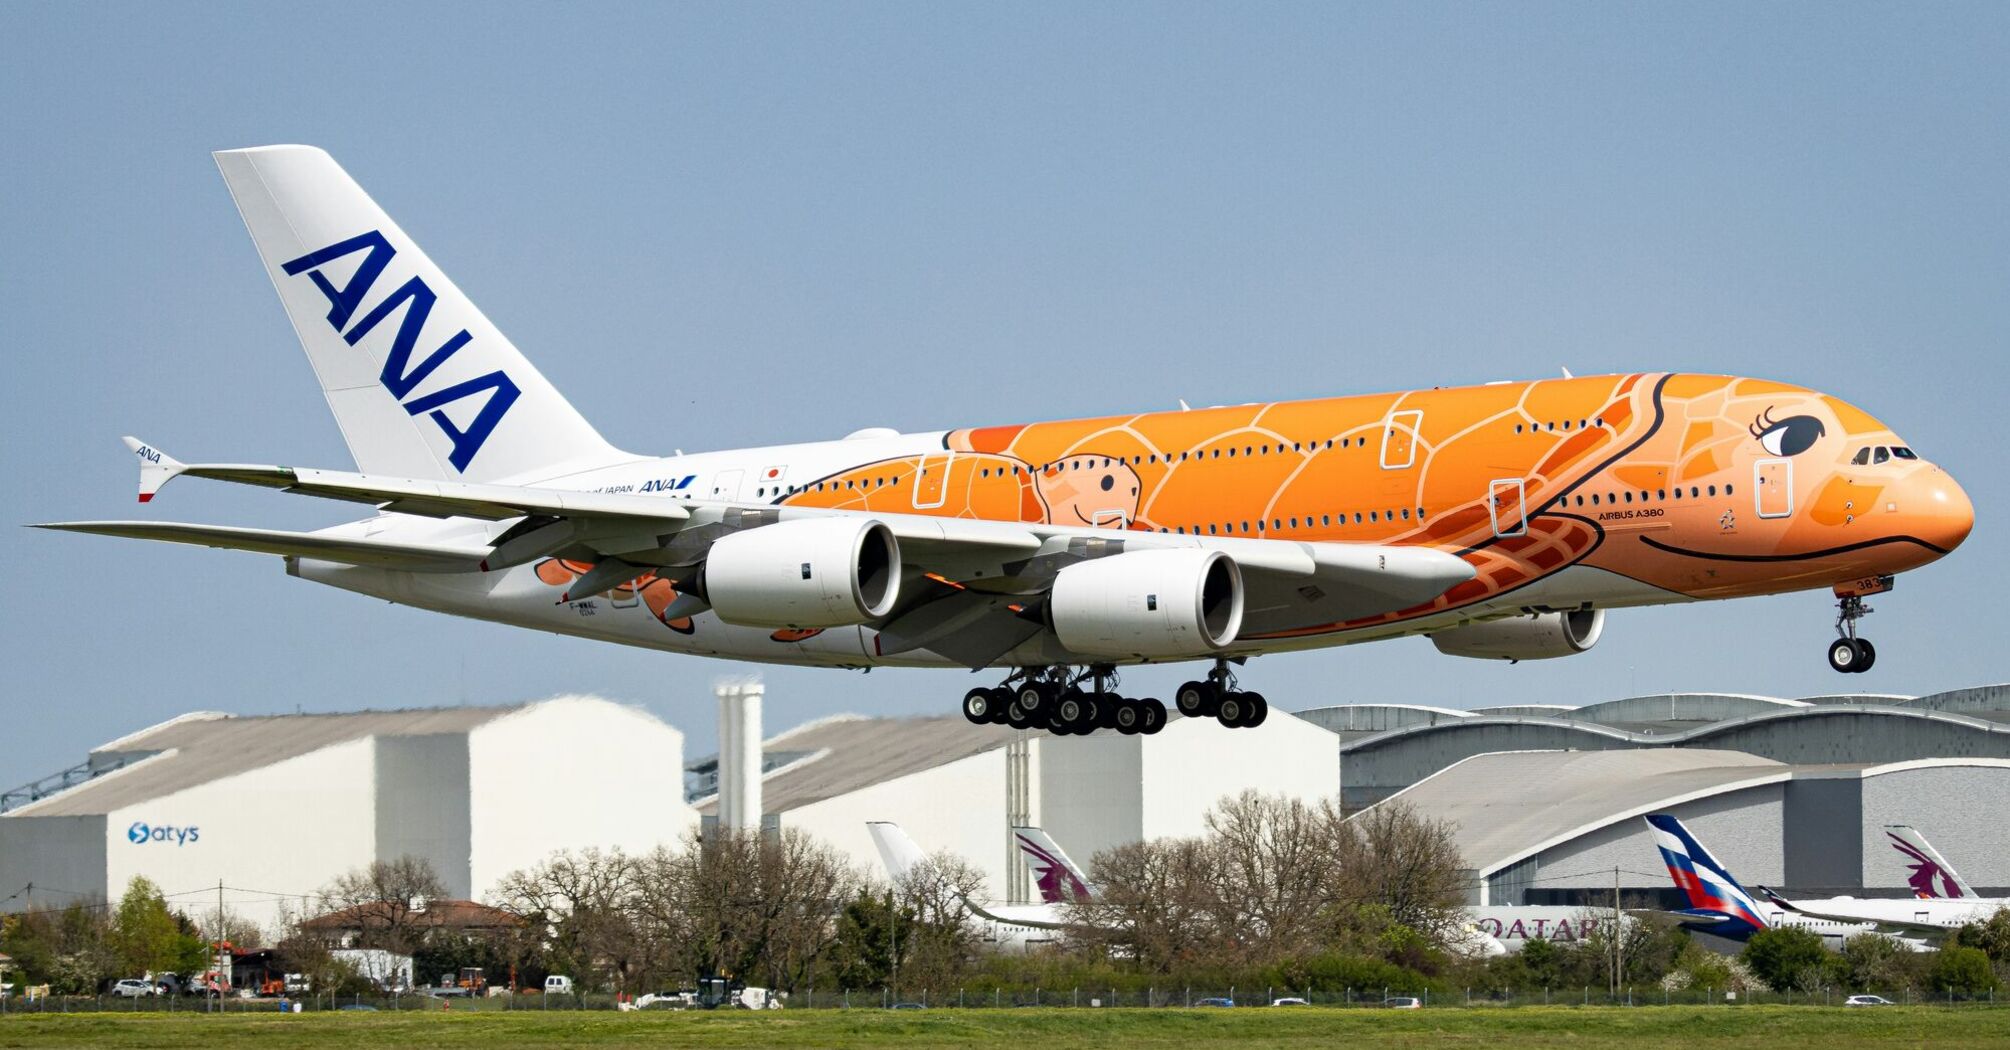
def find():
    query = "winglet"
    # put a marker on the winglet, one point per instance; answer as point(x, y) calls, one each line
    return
point(157, 468)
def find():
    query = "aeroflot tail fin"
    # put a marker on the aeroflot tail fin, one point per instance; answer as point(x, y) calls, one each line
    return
point(1707, 884)
point(422, 385)
point(1930, 874)
point(1057, 876)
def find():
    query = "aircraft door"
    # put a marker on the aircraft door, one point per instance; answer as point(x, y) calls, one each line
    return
point(1773, 487)
point(1399, 438)
point(1505, 508)
point(931, 482)
point(726, 484)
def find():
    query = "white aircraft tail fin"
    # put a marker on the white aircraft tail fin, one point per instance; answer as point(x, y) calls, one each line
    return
point(896, 850)
point(1058, 878)
point(157, 468)
point(421, 383)
point(1930, 874)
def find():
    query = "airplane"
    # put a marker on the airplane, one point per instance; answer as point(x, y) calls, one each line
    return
point(1501, 520)
point(1718, 905)
point(1942, 900)
point(1009, 924)
point(1054, 873)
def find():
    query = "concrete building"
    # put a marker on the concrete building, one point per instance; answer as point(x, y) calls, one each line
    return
point(958, 787)
point(1571, 822)
point(1386, 748)
point(278, 805)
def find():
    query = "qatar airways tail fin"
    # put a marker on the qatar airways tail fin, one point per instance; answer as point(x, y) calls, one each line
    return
point(421, 383)
point(1931, 875)
point(1057, 876)
point(1714, 895)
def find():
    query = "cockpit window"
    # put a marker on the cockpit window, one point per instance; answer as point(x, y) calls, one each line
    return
point(1862, 457)
point(1880, 454)
point(1903, 453)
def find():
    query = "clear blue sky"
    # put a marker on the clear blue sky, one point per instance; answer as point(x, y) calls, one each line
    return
point(724, 225)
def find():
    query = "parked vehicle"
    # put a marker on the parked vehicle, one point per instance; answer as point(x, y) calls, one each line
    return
point(1868, 1000)
point(1403, 1002)
point(134, 988)
point(1215, 1001)
point(1289, 1000)
point(557, 985)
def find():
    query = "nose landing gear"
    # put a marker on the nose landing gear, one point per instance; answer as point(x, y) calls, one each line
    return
point(1848, 653)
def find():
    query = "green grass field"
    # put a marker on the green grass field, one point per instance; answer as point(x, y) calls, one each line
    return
point(1677, 1028)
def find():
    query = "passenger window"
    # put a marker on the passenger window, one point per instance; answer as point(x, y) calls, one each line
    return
point(1713, 490)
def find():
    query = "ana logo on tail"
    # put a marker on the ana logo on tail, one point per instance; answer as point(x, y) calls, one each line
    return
point(400, 376)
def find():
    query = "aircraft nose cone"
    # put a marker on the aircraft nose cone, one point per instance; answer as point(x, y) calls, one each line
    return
point(1946, 515)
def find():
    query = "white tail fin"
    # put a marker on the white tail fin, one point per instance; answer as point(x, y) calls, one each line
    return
point(1058, 878)
point(1930, 874)
point(896, 850)
point(422, 385)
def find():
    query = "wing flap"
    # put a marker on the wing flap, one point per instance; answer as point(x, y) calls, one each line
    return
point(411, 557)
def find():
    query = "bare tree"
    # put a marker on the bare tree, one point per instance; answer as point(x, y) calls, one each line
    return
point(1157, 902)
point(381, 900)
point(584, 903)
point(938, 940)
point(1392, 856)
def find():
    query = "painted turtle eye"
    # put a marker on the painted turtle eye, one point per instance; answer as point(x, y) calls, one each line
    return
point(1790, 436)
point(1109, 482)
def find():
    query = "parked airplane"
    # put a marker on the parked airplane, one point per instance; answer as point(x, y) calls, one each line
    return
point(1006, 923)
point(1718, 905)
point(1500, 520)
point(1941, 899)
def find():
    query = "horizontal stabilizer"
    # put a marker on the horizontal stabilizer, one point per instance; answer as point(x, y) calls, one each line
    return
point(411, 557)
point(157, 468)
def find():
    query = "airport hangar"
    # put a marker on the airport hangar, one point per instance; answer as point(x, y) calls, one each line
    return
point(1786, 791)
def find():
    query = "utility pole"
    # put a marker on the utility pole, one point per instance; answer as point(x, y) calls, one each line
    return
point(1618, 942)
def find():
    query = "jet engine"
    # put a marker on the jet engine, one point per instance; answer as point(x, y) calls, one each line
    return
point(1535, 636)
point(1149, 603)
point(817, 572)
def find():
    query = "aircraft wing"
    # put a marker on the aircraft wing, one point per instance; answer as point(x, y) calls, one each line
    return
point(985, 574)
point(411, 557)
point(1883, 923)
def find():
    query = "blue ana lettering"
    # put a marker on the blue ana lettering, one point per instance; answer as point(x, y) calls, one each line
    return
point(399, 375)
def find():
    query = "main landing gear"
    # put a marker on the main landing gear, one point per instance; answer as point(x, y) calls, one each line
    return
point(1850, 654)
point(1052, 698)
point(1217, 698)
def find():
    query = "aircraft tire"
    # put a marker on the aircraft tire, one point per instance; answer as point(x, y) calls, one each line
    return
point(1259, 709)
point(1154, 717)
point(1127, 716)
point(1844, 655)
point(980, 707)
point(1198, 700)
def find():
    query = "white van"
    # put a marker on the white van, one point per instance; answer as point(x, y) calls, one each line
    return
point(557, 985)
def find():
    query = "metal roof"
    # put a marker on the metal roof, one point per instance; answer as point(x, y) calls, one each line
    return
point(848, 752)
point(1560, 795)
point(186, 752)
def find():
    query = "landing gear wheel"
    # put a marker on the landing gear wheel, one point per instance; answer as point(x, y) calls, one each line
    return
point(1107, 707)
point(1036, 699)
point(1128, 717)
point(1846, 655)
point(1075, 711)
point(1869, 656)
point(1259, 709)
point(1198, 699)
point(980, 707)
point(1154, 716)
point(1231, 709)
point(1016, 716)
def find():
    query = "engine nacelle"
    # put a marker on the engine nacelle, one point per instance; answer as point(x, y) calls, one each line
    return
point(1148, 603)
point(1537, 636)
point(817, 572)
